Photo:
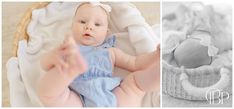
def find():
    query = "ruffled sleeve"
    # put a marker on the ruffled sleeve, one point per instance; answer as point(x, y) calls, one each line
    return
point(206, 41)
point(109, 42)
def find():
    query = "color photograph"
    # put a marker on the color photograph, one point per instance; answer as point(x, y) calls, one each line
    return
point(81, 54)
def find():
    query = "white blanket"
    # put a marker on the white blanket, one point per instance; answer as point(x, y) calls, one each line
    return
point(47, 29)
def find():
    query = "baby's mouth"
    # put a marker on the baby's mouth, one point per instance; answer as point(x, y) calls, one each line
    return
point(88, 36)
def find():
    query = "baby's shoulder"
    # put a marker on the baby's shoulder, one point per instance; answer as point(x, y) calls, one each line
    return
point(112, 54)
point(114, 50)
point(111, 50)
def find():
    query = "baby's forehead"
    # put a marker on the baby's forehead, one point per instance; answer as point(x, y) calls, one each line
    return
point(87, 8)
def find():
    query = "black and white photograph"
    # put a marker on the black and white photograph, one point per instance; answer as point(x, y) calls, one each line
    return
point(196, 54)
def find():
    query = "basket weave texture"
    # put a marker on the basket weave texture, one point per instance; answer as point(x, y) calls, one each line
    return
point(204, 77)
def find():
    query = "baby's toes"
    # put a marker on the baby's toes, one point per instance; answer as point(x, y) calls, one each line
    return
point(81, 63)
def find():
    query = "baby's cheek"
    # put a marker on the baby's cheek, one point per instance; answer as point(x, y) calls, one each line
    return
point(191, 54)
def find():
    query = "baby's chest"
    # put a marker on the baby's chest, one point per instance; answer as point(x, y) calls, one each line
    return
point(99, 60)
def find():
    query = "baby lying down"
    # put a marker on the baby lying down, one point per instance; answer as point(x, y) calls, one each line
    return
point(79, 72)
point(203, 37)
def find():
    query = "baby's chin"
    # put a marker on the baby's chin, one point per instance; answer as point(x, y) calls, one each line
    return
point(89, 42)
point(191, 54)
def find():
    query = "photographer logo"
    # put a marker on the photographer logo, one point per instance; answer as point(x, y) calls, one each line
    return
point(216, 96)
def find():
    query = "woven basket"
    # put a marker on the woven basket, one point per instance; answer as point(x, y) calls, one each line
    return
point(21, 32)
point(196, 84)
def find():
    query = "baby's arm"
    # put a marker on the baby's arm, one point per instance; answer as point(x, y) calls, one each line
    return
point(133, 87)
point(132, 63)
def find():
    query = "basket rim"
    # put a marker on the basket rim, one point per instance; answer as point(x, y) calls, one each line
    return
point(21, 28)
point(191, 71)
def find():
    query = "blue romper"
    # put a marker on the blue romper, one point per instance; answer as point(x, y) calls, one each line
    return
point(95, 86)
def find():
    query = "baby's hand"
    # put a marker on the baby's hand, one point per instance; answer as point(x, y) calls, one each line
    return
point(74, 63)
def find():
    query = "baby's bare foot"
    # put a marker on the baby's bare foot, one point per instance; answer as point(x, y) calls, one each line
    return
point(75, 64)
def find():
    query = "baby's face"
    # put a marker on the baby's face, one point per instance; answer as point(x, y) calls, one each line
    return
point(191, 54)
point(90, 25)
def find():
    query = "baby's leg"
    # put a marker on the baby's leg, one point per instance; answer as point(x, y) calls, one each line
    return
point(149, 79)
point(53, 90)
point(132, 89)
point(128, 93)
point(53, 86)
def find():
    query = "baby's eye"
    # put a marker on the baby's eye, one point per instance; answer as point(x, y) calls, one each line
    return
point(97, 24)
point(82, 21)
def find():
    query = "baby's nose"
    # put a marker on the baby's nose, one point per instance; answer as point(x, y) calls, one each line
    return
point(88, 27)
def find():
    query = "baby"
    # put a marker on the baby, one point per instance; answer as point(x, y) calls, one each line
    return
point(202, 42)
point(79, 72)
